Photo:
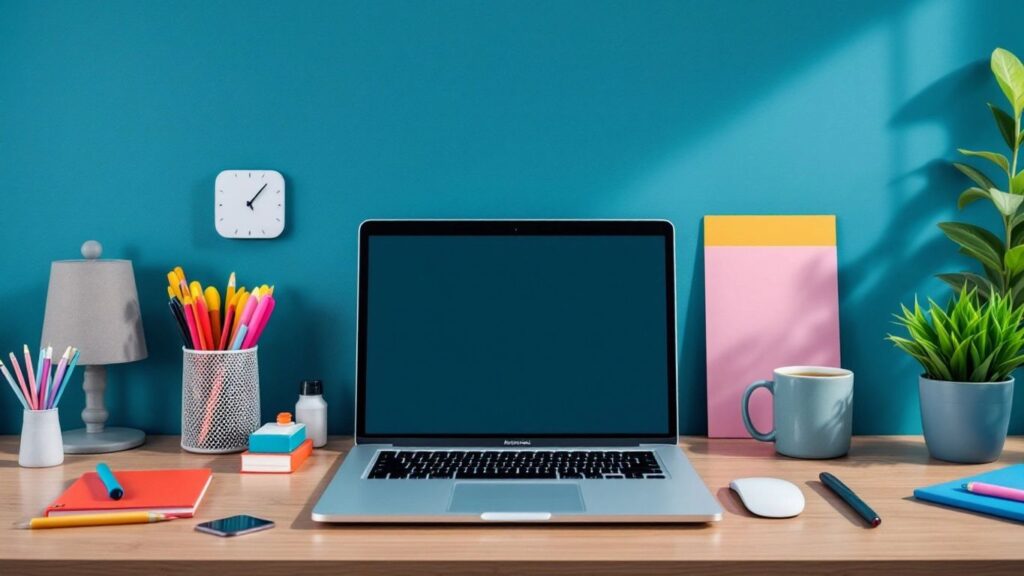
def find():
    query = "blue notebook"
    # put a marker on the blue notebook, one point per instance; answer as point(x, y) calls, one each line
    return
point(954, 494)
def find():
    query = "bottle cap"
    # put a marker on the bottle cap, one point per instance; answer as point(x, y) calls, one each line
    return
point(311, 388)
point(284, 418)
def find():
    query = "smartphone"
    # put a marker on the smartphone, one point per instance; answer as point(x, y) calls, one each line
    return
point(235, 525)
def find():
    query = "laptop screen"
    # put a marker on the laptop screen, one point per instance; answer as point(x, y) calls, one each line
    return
point(517, 335)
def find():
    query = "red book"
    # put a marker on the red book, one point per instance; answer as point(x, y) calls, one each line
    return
point(277, 463)
point(176, 492)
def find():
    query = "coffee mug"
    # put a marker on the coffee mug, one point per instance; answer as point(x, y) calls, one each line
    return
point(813, 411)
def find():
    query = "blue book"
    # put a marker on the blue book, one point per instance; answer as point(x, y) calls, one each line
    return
point(954, 494)
point(276, 438)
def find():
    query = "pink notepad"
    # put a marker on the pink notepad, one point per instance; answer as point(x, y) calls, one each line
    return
point(772, 300)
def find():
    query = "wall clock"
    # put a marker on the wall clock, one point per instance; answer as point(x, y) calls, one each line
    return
point(249, 204)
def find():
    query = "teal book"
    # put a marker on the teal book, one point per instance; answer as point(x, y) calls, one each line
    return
point(277, 438)
point(954, 494)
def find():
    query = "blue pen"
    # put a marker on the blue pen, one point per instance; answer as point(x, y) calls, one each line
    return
point(113, 487)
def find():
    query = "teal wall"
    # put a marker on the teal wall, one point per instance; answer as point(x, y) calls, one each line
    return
point(115, 117)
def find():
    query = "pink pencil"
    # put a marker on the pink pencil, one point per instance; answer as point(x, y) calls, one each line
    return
point(253, 337)
point(21, 381)
point(31, 376)
point(256, 321)
point(995, 491)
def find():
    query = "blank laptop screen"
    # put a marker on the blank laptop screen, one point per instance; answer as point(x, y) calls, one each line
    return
point(517, 335)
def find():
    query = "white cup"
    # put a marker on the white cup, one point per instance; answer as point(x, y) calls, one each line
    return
point(41, 442)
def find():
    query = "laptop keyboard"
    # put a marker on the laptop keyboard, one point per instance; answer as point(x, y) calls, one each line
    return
point(515, 464)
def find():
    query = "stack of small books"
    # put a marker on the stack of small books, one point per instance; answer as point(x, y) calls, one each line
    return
point(277, 448)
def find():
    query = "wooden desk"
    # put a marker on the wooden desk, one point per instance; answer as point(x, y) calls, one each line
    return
point(914, 538)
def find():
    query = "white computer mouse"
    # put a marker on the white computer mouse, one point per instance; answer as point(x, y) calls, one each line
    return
point(769, 497)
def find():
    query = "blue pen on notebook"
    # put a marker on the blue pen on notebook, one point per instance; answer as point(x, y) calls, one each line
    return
point(110, 482)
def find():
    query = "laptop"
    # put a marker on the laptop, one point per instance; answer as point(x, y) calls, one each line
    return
point(516, 371)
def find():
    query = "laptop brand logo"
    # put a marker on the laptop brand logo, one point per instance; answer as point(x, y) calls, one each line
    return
point(517, 442)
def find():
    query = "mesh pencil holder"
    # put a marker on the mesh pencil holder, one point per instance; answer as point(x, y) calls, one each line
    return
point(220, 400)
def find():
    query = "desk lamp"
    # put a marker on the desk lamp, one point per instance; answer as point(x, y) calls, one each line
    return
point(92, 304)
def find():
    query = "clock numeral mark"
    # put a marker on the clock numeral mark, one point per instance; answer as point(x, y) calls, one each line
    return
point(236, 230)
point(250, 174)
point(236, 174)
point(278, 205)
point(278, 191)
point(264, 231)
point(278, 219)
point(221, 205)
point(264, 175)
point(250, 232)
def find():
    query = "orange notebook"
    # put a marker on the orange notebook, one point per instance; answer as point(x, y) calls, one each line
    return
point(175, 492)
point(277, 463)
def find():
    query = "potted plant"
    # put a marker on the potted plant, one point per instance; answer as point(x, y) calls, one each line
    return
point(968, 351)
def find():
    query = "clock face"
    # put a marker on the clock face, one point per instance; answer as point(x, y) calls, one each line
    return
point(249, 204)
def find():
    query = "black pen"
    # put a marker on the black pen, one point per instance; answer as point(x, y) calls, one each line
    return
point(844, 492)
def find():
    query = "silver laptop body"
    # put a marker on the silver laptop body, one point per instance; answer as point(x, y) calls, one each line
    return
point(516, 371)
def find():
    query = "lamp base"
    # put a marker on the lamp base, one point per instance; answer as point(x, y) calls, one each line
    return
point(109, 440)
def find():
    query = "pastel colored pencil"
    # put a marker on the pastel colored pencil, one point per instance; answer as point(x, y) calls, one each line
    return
point(10, 380)
point(21, 380)
point(44, 385)
point(31, 376)
point(41, 378)
point(67, 377)
point(57, 377)
point(259, 321)
point(110, 519)
point(240, 337)
point(190, 321)
point(213, 309)
point(255, 320)
point(173, 289)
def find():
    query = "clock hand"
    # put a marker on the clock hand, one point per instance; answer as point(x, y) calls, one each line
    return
point(253, 199)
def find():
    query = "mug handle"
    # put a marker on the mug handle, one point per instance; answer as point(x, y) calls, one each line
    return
point(754, 433)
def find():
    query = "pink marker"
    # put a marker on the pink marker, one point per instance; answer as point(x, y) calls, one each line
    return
point(249, 310)
point(258, 317)
point(996, 491)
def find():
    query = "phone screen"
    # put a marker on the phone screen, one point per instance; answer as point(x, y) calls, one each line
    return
point(235, 525)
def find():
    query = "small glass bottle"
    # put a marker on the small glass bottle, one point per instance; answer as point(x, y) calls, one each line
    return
point(311, 410)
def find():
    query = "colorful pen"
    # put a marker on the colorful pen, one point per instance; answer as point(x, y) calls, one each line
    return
point(44, 377)
point(995, 491)
point(848, 496)
point(31, 377)
point(240, 337)
point(114, 489)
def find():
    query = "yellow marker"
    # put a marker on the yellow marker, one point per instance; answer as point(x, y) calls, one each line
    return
point(181, 273)
point(196, 290)
point(175, 283)
point(229, 294)
point(112, 519)
point(241, 299)
point(213, 309)
point(171, 293)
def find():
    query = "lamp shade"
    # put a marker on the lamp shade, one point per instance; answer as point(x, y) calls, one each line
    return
point(93, 304)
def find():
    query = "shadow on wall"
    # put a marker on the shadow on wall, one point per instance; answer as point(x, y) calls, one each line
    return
point(877, 280)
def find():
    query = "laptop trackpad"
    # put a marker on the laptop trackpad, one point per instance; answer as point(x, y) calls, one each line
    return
point(481, 497)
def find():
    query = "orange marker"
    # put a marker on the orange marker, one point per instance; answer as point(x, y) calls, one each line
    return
point(213, 304)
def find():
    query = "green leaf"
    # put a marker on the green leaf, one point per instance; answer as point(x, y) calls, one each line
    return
point(976, 242)
point(1014, 259)
point(1009, 74)
point(994, 157)
point(1006, 124)
point(970, 195)
point(972, 173)
point(1007, 204)
point(957, 281)
point(1017, 183)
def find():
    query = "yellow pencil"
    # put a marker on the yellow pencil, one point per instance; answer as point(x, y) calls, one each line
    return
point(240, 301)
point(112, 519)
